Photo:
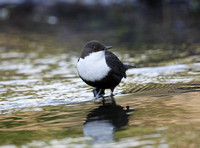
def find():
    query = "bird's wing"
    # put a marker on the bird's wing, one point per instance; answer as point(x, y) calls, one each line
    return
point(115, 64)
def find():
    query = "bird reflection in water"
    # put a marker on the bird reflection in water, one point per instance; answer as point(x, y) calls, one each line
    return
point(103, 121)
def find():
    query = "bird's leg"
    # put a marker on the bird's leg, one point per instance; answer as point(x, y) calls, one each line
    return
point(112, 97)
point(111, 92)
point(98, 92)
point(98, 95)
point(95, 92)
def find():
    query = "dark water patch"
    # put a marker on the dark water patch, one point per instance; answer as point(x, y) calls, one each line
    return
point(146, 88)
point(190, 88)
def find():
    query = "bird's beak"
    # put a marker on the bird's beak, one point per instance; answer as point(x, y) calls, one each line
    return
point(107, 47)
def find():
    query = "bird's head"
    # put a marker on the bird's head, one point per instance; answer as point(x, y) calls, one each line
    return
point(93, 46)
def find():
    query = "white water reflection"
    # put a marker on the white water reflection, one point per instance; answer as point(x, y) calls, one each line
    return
point(83, 142)
point(163, 74)
point(101, 130)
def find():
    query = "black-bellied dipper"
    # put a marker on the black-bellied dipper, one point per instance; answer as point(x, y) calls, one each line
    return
point(100, 68)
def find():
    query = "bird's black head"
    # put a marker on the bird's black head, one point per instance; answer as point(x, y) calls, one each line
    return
point(93, 46)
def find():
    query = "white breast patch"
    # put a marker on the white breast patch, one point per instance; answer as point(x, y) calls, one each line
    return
point(93, 67)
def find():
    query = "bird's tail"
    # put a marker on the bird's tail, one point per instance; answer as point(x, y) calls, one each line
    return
point(129, 66)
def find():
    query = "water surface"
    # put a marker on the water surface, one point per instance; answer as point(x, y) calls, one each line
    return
point(43, 102)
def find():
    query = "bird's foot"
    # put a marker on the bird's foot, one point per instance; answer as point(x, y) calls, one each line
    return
point(98, 93)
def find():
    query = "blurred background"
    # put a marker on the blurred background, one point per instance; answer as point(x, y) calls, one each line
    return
point(131, 24)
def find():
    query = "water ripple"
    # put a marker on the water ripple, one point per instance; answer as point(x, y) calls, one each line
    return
point(33, 80)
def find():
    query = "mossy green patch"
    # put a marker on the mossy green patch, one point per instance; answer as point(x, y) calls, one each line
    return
point(23, 137)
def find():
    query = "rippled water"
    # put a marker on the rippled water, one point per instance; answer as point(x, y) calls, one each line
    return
point(43, 103)
point(30, 81)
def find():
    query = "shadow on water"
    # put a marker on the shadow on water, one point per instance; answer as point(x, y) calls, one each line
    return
point(102, 122)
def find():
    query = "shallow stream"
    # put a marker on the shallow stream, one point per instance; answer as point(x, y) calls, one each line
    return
point(43, 102)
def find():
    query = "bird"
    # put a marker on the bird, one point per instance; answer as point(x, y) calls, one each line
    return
point(100, 68)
